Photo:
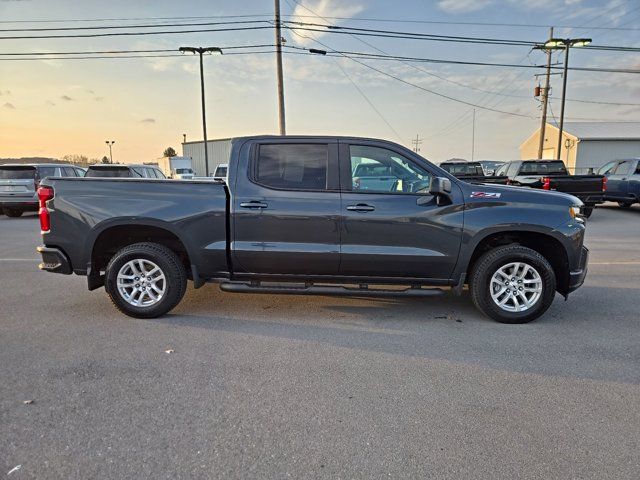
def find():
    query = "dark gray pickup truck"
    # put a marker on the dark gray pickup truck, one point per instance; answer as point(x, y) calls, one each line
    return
point(291, 219)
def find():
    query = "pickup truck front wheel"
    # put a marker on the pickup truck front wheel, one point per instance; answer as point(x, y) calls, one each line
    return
point(512, 284)
point(145, 280)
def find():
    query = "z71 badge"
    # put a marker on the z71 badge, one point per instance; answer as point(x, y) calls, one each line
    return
point(485, 195)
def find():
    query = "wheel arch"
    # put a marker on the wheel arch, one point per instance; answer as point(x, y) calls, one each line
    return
point(543, 242)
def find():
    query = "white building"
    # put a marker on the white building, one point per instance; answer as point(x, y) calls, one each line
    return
point(218, 150)
point(586, 145)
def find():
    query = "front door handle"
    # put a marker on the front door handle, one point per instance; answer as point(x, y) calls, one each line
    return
point(361, 207)
point(254, 204)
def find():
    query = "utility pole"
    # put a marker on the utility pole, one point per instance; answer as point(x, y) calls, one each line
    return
point(201, 51)
point(473, 135)
point(110, 143)
point(416, 142)
point(564, 92)
point(545, 99)
point(281, 119)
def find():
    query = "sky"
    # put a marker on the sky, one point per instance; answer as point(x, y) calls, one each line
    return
point(59, 107)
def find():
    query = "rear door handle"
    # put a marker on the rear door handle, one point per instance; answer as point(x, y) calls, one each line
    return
point(254, 204)
point(361, 207)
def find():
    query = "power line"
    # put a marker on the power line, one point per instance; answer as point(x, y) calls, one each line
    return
point(119, 34)
point(111, 27)
point(153, 50)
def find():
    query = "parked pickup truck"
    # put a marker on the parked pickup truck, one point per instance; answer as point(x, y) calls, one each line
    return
point(623, 181)
point(472, 172)
point(290, 219)
point(553, 175)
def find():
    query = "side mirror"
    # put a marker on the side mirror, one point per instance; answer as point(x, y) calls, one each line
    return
point(440, 187)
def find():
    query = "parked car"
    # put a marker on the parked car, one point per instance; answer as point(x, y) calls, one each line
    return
point(293, 220)
point(490, 166)
point(19, 182)
point(553, 175)
point(623, 181)
point(125, 171)
point(472, 172)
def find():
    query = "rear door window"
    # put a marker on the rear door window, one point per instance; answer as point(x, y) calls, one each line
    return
point(292, 166)
point(17, 173)
point(623, 167)
point(44, 172)
point(68, 171)
point(160, 175)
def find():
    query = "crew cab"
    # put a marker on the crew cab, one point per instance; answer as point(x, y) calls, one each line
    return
point(623, 181)
point(553, 175)
point(472, 172)
point(291, 218)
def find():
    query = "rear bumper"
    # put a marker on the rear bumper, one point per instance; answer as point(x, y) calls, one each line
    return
point(22, 204)
point(576, 277)
point(54, 260)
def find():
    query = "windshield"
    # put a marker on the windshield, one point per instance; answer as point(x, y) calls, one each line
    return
point(17, 173)
point(543, 168)
point(108, 172)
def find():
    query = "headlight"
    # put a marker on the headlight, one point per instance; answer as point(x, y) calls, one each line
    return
point(574, 212)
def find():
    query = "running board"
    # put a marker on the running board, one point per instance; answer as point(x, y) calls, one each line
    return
point(310, 289)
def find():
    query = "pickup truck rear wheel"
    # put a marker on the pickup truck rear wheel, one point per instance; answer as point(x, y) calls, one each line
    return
point(145, 280)
point(512, 284)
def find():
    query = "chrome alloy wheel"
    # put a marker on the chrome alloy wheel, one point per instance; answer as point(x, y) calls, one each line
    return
point(141, 283)
point(516, 287)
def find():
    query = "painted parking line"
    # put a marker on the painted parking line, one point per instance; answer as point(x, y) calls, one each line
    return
point(614, 263)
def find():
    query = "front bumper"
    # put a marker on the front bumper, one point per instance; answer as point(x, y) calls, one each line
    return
point(54, 260)
point(576, 277)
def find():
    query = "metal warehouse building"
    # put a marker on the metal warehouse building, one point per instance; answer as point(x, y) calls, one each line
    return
point(586, 145)
point(218, 150)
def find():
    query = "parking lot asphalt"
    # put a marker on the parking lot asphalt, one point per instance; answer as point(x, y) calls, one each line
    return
point(261, 386)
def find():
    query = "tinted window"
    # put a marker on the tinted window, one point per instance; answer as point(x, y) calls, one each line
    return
point(137, 172)
point(502, 169)
point(463, 168)
point(47, 172)
point(159, 173)
point(79, 172)
point(606, 168)
point(220, 172)
point(638, 169)
point(68, 171)
point(293, 166)
point(108, 172)
point(623, 167)
point(378, 170)
point(184, 171)
point(543, 168)
point(17, 173)
point(512, 169)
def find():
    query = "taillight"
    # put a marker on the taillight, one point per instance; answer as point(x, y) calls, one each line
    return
point(546, 183)
point(44, 195)
point(604, 184)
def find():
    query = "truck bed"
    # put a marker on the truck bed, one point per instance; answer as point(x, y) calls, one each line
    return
point(88, 206)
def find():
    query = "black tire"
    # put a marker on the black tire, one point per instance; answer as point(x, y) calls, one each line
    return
point(490, 262)
point(170, 265)
point(624, 204)
point(13, 212)
point(587, 211)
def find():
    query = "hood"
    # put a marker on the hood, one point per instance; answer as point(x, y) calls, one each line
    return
point(505, 193)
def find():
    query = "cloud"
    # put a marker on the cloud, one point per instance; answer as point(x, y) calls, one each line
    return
point(317, 10)
point(148, 120)
point(66, 98)
point(9, 106)
point(51, 103)
point(463, 6)
point(5, 92)
point(98, 99)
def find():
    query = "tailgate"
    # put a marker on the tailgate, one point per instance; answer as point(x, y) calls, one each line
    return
point(17, 181)
point(577, 184)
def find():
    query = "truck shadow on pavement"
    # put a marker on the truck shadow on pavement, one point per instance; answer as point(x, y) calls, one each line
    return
point(568, 341)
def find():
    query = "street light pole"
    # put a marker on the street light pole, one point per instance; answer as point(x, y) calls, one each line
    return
point(281, 119)
point(201, 51)
point(555, 44)
point(564, 93)
point(110, 143)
